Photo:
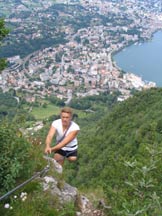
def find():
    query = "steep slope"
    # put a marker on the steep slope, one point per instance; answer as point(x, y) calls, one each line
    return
point(122, 154)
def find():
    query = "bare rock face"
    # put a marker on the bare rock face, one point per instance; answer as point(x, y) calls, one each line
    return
point(64, 191)
point(53, 163)
point(67, 193)
point(87, 208)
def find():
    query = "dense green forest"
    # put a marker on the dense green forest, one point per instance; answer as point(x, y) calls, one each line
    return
point(120, 151)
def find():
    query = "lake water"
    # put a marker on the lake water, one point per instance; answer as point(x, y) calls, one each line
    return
point(143, 59)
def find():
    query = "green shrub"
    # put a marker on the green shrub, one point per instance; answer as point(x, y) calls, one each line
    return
point(138, 191)
point(15, 156)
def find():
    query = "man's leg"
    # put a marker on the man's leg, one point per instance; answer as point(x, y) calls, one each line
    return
point(72, 158)
point(59, 158)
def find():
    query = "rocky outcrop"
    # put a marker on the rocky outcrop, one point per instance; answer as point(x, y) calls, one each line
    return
point(68, 193)
point(64, 191)
point(87, 208)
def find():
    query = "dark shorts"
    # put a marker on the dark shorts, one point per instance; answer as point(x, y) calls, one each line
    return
point(67, 153)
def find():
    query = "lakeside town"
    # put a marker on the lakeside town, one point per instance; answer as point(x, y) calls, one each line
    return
point(84, 65)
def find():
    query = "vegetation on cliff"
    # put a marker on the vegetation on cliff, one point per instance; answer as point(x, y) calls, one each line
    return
point(119, 154)
point(122, 155)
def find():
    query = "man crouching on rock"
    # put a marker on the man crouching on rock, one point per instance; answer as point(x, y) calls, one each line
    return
point(66, 132)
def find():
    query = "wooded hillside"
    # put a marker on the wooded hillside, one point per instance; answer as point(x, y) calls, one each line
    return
point(122, 153)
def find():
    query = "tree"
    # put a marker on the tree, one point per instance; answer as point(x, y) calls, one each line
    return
point(3, 33)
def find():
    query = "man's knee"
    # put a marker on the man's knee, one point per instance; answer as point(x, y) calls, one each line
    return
point(59, 158)
point(72, 158)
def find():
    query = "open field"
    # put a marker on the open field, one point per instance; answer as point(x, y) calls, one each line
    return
point(41, 113)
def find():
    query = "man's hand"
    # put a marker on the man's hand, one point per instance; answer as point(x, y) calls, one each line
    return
point(48, 150)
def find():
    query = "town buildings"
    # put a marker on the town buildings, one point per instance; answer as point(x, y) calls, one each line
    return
point(83, 65)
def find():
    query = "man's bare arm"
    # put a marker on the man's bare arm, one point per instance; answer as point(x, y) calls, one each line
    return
point(66, 140)
point(49, 138)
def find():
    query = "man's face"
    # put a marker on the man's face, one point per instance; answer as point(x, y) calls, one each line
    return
point(66, 118)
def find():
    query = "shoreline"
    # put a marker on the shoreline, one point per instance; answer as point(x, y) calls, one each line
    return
point(122, 48)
